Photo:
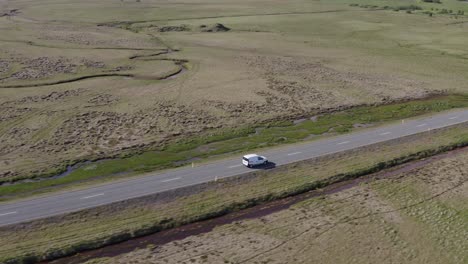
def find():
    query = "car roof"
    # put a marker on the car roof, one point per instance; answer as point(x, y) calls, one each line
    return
point(248, 156)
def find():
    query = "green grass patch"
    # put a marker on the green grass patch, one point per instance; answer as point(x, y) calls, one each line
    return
point(180, 152)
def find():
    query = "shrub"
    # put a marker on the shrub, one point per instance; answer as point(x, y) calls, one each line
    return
point(443, 11)
point(407, 7)
point(429, 13)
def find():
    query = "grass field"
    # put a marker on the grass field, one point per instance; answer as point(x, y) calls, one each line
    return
point(418, 216)
point(197, 148)
point(62, 235)
point(95, 79)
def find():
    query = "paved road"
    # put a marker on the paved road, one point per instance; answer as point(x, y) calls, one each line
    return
point(55, 204)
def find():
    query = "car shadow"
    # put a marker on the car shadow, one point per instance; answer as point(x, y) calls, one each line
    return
point(268, 166)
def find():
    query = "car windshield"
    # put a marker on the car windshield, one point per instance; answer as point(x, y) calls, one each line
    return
point(246, 159)
point(260, 158)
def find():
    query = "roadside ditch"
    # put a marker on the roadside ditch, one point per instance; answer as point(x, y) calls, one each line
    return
point(276, 190)
point(257, 211)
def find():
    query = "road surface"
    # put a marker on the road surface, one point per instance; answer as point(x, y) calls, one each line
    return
point(55, 204)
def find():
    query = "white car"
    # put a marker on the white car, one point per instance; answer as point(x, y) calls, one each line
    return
point(252, 160)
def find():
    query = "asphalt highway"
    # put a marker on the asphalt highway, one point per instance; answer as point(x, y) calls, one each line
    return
point(65, 202)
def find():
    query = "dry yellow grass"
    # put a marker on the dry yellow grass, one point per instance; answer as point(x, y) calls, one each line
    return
point(60, 235)
point(278, 60)
point(416, 217)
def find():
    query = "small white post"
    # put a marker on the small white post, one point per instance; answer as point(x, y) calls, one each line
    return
point(193, 165)
point(402, 121)
point(216, 178)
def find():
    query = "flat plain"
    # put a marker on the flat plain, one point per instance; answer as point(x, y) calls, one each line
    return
point(115, 88)
point(94, 79)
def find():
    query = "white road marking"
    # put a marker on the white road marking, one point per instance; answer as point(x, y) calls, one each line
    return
point(46, 212)
point(9, 213)
point(421, 125)
point(453, 117)
point(385, 133)
point(294, 153)
point(92, 196)
point(173, 179)
point(235, 166)
point(344, 142)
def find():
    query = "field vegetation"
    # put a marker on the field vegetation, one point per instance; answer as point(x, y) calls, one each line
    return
point(140, 85)
point(418, 216)
point(91, 80)
point(64, 235)
point(196, 148)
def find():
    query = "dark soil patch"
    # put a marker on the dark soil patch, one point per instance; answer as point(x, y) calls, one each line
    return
point(362, 125)
point(214, 28)
point(12, 12)
point(173, 28)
